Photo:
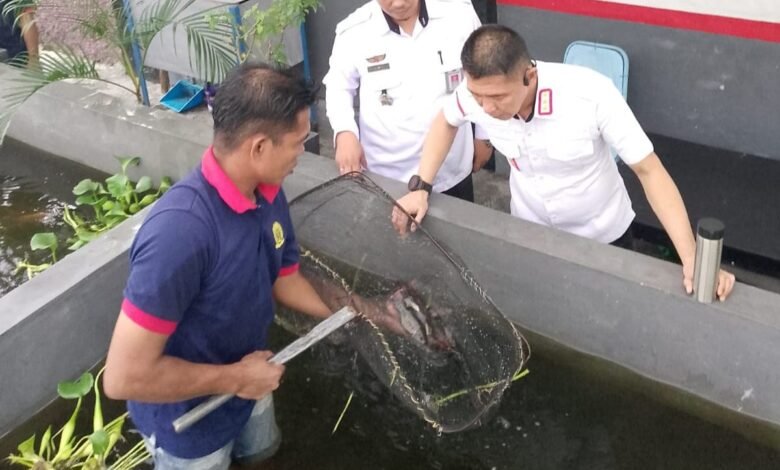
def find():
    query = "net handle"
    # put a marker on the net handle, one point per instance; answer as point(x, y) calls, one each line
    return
point(321, 330)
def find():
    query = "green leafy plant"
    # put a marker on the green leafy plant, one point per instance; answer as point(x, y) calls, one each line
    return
point(264, 27)
point(112, 202)
point(39, 241)
point(65, 449)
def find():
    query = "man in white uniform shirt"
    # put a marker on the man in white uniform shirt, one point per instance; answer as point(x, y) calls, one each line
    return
point(404, 57)
point(555, 123)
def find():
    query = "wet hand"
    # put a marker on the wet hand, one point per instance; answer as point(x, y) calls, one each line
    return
point(258, 377)
point(416, 205)
point(349, 153)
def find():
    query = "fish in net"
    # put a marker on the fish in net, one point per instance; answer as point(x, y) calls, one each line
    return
point(426, 328)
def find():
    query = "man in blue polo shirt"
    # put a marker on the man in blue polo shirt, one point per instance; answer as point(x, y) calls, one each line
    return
point(205, 269)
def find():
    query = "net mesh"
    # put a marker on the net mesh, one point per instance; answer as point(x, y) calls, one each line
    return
point(426, 329)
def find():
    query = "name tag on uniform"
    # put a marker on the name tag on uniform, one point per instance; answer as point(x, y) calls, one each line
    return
point(377, 63)
point(452, 79)
point(378, 67)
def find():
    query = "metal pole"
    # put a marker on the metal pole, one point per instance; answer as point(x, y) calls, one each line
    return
point(323, 329)
point(136, 52)
point(240, 44)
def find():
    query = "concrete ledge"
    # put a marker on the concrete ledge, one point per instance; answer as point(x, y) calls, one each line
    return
point(87, 126)
point(90, 126)
point(624, 312)
point(57, 325)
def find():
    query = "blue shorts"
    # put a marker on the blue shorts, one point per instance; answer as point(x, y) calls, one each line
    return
point(259, 440)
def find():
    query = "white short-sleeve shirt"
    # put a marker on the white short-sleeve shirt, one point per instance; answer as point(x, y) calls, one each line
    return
point(402, 80)
point(562, 171)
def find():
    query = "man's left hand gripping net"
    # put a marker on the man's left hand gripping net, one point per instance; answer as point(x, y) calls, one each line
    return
point(427, 329)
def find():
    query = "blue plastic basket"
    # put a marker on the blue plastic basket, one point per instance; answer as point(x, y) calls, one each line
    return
point(183, 96)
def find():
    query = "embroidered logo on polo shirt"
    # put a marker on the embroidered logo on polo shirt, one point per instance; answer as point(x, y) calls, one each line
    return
point(545, 102)
point(278, 234)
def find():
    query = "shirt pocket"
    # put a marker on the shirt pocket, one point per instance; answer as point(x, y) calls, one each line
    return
point(577, 151)
point(449, 70)
point(381, 89)
point(381, 79)
point(380, 72)
point(569, 157)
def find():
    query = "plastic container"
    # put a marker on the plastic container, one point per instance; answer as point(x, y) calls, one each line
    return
point(183, 96)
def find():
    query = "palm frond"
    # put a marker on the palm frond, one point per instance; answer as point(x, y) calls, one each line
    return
point(210, 43)
point(211, 46)
point(65, 62)
point(97, 21)
point(109, 24)
point(155, 17)
point(58, 65)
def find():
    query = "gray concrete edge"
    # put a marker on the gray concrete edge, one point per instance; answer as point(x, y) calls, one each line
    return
point(623, 307)
point(58, 325)
point(90, 127)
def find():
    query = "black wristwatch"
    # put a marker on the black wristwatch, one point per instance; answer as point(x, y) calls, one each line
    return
point(416, 184)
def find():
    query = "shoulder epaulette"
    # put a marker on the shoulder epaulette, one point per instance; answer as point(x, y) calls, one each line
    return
point(357, 17)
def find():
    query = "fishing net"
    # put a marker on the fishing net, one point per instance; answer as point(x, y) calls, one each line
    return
point(426, 329)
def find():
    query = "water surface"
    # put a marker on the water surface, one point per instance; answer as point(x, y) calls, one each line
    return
point(33, 190)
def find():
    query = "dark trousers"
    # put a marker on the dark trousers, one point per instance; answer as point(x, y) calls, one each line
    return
point(626, 240)
point(463, 190)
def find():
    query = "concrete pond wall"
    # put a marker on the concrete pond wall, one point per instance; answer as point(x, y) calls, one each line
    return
point(600, 307)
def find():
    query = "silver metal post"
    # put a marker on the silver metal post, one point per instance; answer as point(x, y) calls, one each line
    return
point(709, 246)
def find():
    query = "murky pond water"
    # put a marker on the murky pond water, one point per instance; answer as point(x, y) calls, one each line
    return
point(33, 189)
point(555, 418)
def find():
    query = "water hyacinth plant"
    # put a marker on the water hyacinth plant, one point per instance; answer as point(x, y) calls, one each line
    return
point(66, 449)
point(111, 202)
point(39, 241)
